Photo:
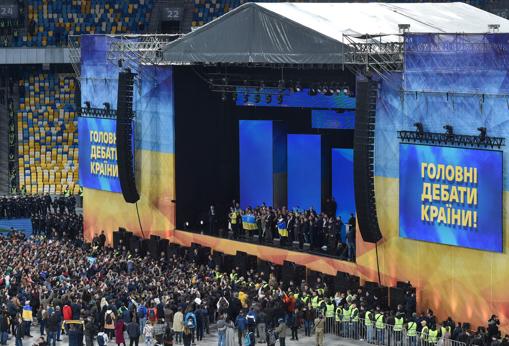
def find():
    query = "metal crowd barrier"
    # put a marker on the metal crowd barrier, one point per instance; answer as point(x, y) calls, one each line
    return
point(383, 336)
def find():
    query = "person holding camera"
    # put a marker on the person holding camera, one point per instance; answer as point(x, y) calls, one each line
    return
point(319, 329)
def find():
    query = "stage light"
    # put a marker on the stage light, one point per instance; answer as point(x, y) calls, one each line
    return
point(107, 106)
point(312, 91)
point(279, 99)
point(87, 104)
point(346, 90)
point(419, 128)
point(319, 90)
point(257, 98)
point(262, 85)
point(449, 131)
point(223, 96)
point(482, 133)
point(298, 88)
point(201, 222)
point(268, 98)
point(246, 98)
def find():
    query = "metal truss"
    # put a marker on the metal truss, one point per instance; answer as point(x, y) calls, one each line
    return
point(373, 55)
point(134, 51)
point(75, 54)
point(98, 113)
point(450, 139)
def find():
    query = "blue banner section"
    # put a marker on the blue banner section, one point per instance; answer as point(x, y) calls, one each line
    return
point(256, 162)
point(342, 182)
point(24, 225)
point(98, 154)
point(304, 172)
point(301, 99)
point(329, 119)
point(454, 79)
point(451, 196)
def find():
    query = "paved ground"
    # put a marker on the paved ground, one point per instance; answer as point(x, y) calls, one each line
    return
point(211, 340)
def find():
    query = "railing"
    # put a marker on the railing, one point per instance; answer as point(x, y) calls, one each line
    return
point(386, 336)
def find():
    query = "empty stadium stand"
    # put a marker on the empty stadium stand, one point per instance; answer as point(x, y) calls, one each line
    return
point(47, 133)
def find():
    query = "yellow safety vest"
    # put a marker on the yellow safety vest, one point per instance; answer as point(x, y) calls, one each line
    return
point(346, 314)
point(305, 300)
point(329, 312)
point(367, 319)
point(445, 330)
point(320, 290)
point(339, 313)
point(398, 324)
point(433, 336)
point(379, 321)
point(320, 303)
point(233, 218)
point(355, 315)
point(411, 329)
point(314, 302)
point(424, 333)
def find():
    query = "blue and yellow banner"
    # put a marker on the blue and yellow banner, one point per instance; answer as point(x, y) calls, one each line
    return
point(451, 196)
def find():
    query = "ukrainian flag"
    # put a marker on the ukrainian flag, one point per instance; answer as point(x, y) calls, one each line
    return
point(249, 222)
point(282, 228)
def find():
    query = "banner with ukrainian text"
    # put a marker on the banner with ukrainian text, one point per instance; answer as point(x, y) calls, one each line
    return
point(451, 196)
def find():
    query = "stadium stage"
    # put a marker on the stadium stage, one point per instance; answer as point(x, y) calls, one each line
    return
point(428, 140)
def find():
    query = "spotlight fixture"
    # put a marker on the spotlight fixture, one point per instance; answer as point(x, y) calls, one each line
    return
point(279, 99)
point(346, 90)
point(312, 91)
point(449, 131)
point(297, 87)
point(107, 106)
point(419, 129)
point(223, 96)
point(268, 98)
point(482, 133)
point(201, 222)
point(87, 104)
point(186, 224)
point(257, 98)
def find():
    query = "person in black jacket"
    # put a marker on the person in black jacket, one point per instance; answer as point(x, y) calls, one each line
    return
point(4, 327)
point(90, 332)
point(133, 331)
point(52, 327)
point(20, 330)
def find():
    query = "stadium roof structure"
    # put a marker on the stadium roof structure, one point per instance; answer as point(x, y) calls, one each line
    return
point(322, 33)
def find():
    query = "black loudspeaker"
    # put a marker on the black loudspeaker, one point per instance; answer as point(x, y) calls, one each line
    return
point(134, 244)
point(163, 247)
point(124, 134)
point(145, 246)
point(241, 263)
point(397, 297)
point(288, 272)
point(153, 246)
point(364, 160)
point(118, 240)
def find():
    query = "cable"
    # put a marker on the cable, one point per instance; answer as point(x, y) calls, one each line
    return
point(139, 221)
point(378, 264)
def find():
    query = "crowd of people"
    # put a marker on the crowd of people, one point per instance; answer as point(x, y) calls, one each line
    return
point(322, 232)
point(49, 215)
point(97, 294)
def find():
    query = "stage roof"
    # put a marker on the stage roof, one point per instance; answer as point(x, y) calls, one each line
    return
point(313, 33)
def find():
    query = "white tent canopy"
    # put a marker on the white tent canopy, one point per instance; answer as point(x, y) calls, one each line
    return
point(313, 33)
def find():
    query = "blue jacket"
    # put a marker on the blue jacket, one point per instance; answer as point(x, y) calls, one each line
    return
point(190, 315)
point(241, 323)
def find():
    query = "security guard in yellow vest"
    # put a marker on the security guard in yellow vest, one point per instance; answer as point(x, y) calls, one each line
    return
point(339, 319)
point(354, 316)
point(398, 328)
point(380, 326)
point(411, 332)
point(444, 330)
point(432, 335)
point(314, 301)
point(234, 222)
point(370, 331)
point(347, 314)
point(329, 315)
point(424, 332)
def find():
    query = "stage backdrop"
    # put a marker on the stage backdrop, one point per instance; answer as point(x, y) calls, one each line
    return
point(456, 80)
point(154, 145)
